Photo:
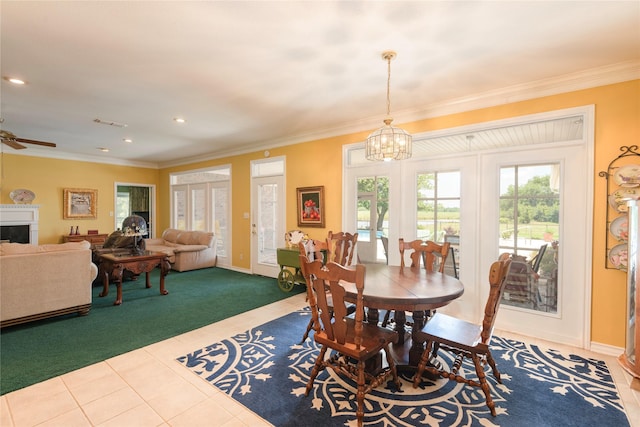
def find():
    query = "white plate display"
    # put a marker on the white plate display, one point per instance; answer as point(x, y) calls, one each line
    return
point(627, 176)
point(618, 199)
point(22, 196)
point(620, 228)
point(618, 256)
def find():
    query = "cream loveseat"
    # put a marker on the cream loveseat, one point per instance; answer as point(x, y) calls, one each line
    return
point(187, 250)
point(43, 281)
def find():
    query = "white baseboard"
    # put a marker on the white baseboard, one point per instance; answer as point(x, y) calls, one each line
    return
point(607, 349)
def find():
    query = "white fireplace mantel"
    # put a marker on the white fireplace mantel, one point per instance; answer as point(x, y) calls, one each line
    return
point(19, 214)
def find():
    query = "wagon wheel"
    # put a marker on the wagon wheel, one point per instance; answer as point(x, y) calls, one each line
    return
point(285, 280)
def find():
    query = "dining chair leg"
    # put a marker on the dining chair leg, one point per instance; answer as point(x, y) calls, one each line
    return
point(306, 334)
point(316, 369)
point(483, 383)
point(422, 364)
point(392, 367)
point(360, 393)
point(494, 368)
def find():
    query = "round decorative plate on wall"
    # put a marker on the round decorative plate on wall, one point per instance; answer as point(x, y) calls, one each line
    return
point(618, 199)
point(22, 196)
point(620, 228)
point(627, 176)
point(618, 256)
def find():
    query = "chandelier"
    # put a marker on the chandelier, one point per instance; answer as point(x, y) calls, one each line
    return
point(388, 142)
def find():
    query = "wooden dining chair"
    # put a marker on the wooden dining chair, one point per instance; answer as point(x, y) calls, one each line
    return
point(341, 247)
point(430, 252)
point(466, 339)
point(313, 250)
point(352, 340)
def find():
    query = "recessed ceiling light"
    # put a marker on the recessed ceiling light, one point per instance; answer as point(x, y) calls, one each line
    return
point(179, 120)
point(15, 80)
point(103, 149)
point(128, 140)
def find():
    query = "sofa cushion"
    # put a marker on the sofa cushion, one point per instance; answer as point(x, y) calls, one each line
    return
point(25, 248)
point(195, 238)
point(170, 235)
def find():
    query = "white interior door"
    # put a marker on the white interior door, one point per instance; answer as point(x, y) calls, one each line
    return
point(566, 321)
point(267, 224)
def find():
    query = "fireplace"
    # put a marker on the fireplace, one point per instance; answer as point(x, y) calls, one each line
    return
point(19, 223)
point(14, 233)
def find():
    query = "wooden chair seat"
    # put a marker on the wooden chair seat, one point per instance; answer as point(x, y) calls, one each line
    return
point(466, 339)
point(374, 339)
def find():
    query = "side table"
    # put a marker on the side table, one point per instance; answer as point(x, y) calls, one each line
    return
point(94, 239)
point(112, 266)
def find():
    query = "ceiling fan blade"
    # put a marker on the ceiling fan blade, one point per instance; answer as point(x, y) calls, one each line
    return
point(13, 144)
point(32, 141)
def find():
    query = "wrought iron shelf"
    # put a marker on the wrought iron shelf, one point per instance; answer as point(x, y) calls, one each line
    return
point(624, 159)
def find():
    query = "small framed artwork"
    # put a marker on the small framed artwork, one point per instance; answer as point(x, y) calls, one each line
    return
point(80, 203)
point(311, 206)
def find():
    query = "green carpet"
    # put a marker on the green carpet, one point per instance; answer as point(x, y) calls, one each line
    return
point(37, 351)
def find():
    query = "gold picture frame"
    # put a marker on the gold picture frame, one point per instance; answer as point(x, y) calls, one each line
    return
point(310, 206)
point(80, 203)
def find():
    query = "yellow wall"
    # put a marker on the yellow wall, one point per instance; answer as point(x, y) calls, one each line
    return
point(320, 163)
point(48, 177)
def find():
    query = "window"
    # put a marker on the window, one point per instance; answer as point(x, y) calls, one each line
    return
point(438, 203)
point(529, 230)
point(201, 201)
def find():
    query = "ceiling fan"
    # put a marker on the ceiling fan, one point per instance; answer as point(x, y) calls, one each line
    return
point(14, 142)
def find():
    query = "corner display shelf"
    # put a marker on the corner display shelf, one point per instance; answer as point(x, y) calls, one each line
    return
point(623, 183)
point(623, 245)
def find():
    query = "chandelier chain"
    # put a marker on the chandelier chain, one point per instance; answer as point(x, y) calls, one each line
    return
point(388, 85)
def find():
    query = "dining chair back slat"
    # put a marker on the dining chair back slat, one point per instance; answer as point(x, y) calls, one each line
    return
point(341, 247)
point(431, 252)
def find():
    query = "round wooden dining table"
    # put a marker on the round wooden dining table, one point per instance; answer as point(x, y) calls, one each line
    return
point(400, 289)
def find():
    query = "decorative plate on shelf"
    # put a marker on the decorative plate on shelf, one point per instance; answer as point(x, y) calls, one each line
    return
point(618, 256)
point(627, 176)
point(22, 196)
point(619, 227)
point(618, 199)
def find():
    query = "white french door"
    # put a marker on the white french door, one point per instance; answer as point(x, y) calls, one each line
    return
point(267, 215)
point(566, 320)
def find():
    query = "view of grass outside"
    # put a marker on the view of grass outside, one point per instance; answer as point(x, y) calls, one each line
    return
point(530, 230)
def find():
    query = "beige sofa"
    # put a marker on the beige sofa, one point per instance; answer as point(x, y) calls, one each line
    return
point(187, 250)
point(43, 281)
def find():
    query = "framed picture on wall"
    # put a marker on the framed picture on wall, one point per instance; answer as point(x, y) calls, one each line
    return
point(311, 206)
point(80, 203)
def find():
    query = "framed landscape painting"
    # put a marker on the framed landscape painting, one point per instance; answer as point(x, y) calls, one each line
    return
point(311, 206)
point(80, 203)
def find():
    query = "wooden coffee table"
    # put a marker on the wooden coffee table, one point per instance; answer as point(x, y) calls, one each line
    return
point(112, 267)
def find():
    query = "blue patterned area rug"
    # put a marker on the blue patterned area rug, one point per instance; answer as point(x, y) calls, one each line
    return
point(266, 369)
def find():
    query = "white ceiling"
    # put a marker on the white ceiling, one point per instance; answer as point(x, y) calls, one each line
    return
point(250, 75)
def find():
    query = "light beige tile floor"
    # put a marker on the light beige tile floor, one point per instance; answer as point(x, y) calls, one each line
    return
point(147, 387)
